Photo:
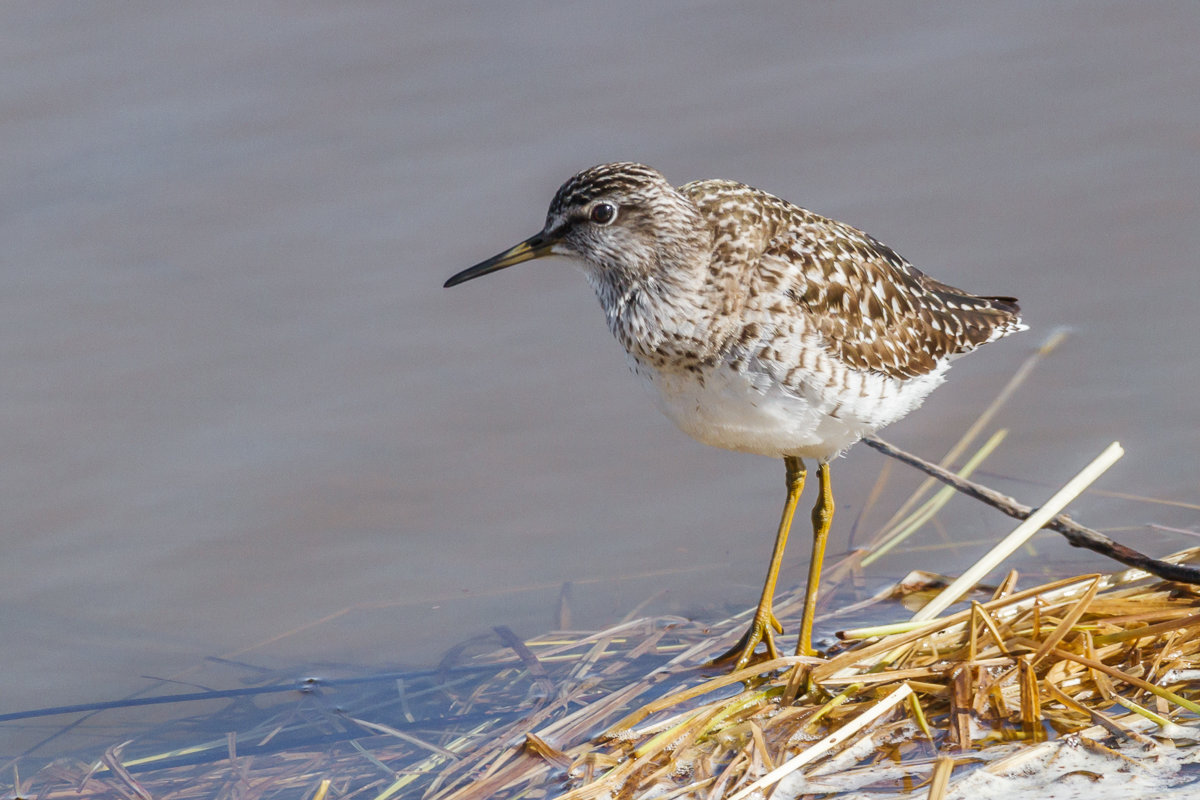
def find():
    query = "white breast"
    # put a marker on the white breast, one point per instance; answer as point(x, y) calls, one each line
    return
point(814, 416)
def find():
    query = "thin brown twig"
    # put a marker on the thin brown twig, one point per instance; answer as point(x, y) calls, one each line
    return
point(1078, 535)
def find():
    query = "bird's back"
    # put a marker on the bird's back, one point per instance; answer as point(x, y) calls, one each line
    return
point(873, 310)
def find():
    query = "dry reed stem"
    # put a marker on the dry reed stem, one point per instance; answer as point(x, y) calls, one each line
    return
point(1031, 525)
point(940, 779)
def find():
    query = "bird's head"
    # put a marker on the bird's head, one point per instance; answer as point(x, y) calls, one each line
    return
point(622, 221)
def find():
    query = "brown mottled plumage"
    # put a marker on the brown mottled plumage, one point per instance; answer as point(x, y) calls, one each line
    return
point(873, 309)
point(764, 327)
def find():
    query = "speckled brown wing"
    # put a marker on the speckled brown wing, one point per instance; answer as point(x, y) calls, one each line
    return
point(875, 310)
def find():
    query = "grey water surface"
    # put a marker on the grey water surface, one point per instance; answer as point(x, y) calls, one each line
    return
point(239, 416)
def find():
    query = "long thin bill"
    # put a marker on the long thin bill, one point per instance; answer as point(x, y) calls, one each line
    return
point(535, 246)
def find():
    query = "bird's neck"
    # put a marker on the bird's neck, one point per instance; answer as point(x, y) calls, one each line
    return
point(666, 315)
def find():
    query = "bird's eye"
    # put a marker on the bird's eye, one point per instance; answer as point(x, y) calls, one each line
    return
point(603, 213)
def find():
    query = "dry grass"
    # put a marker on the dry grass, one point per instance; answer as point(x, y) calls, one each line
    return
point(626, 712)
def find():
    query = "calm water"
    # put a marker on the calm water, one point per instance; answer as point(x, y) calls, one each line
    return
point(241, 418)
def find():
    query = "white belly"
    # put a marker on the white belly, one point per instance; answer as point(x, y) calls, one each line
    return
point(751, 413)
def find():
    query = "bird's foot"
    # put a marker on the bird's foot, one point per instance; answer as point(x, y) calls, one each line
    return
point(762, 629)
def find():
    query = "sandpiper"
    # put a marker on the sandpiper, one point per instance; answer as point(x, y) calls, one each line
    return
point(764, 327)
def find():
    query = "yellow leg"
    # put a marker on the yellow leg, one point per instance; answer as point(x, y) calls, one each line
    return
point(822, 516)
point(764, 626)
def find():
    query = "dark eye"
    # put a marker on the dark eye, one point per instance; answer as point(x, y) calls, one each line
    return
point(603, 213)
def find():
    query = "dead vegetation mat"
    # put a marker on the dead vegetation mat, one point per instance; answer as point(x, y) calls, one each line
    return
point(1099, 661)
